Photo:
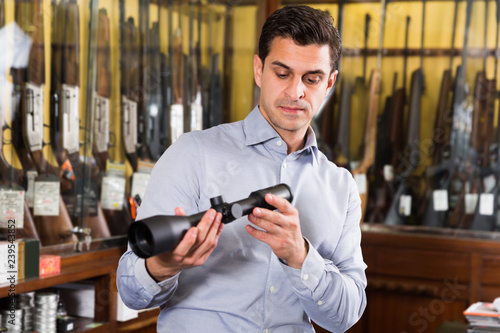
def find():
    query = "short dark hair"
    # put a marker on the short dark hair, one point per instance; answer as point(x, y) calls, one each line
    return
point(305, 26)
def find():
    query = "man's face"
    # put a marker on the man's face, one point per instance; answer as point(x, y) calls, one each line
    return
point(293, 82)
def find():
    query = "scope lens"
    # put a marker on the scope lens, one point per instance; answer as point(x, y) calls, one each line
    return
point(142, 241)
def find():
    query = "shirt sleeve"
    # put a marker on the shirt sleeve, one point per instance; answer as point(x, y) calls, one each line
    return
point(166, 190)
point(332, 290)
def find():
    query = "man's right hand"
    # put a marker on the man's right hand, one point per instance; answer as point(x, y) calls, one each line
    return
point(193, 250)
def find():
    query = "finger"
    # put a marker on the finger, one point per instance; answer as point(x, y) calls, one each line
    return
point(187, 243)
point(259, 234)
point(281, 204)
point(266, 219)
point(205, 224)
point(179, 211)
point(210, 242)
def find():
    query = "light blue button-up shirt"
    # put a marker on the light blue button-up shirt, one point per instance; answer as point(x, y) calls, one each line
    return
point(243, 286)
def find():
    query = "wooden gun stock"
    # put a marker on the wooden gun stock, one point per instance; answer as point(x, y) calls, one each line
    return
point(370, 134)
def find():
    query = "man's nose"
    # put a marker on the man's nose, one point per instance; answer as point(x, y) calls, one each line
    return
point(295, 89)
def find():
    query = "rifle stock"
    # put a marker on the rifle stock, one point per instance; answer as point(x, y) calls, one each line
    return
point(51, 229)
point(10, 177)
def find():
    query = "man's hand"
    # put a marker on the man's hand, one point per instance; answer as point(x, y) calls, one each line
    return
point(193, 250)
point(282, 230)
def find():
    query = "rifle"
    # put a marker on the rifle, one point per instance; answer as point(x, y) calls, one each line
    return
point(215, 112)
point(52, 221)
point(193, 120)
point(81, 200)
point(153, 94)
point(10, 177)
point(2, 13)
point(389, 144)
point(130, 81)
point(177, 66)
point(371, 121)
point(447, 172)
point(117, 219)
point(485, 214)
point(341, 152)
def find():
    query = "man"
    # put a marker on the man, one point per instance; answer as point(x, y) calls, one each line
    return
point(275, 270)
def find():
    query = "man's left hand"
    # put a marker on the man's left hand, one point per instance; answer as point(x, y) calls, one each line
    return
point(281, 230)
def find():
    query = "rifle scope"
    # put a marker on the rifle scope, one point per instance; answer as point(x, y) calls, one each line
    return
point(160, 233)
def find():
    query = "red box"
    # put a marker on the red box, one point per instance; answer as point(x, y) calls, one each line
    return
point(49, 265)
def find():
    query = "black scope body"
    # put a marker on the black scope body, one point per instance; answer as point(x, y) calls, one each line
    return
point(160, 233)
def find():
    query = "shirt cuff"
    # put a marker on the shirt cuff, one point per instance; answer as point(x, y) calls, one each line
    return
point(151, 286)
point(308, 277)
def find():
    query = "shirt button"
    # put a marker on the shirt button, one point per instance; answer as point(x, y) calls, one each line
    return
point(305, 277)
point(272, 289)
point(284, 165)
point(267, 331)
point(279, 143)
point(320, 302)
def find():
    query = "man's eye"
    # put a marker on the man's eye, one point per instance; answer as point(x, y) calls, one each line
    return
point(281, 76)
point(312, 79)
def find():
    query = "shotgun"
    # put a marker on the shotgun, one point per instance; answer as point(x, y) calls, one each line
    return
point(153, 94)
point(340, 148)
point(485, 214)
point(117, 219)
point(370, 136)
point(129, 82)
point(400, 210)
point(389, 143)
point(440, 136)
point(101, 123)
point(51, 217)
point(81, 200)
point(13, 194)
point(177, 65)
point(446, 174)
point(193, 120)
point(215, 112)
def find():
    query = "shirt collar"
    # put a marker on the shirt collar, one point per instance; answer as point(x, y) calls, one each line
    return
point(258, 130)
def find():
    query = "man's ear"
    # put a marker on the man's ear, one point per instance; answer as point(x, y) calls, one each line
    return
point(331, 81)
point(257, 70)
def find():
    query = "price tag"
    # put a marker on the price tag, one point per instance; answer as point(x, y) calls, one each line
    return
point(486, 202)
point(139, 184)
point(360, 182)
point(46, 198)
point(176, 121)
point(405, 205)
point(11, 207)
point(471, 202)
point(388, 173)
point(101, 123)
point(489, 183)
point(440, 200)
point(70, 118)
point(129, 124)
point(112, 193)
point(196, 117)
point(30, 191)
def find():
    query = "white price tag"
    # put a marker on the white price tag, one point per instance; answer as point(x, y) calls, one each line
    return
point(11, 207)
point(388, 172)
point(176, 121)
point(471, 202)
point(196, 117)
point(139, 183)
point(70, 118)
point(486, 202)
point(489, 183)
point(101, 123)
point(129, 125)
point(361, 182)
point(30, 192)
point(440, 200)
point(405, 205)
point(46, 201)
point(112, 193)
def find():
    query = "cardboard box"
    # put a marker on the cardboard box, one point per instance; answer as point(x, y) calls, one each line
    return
point(50, 265)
